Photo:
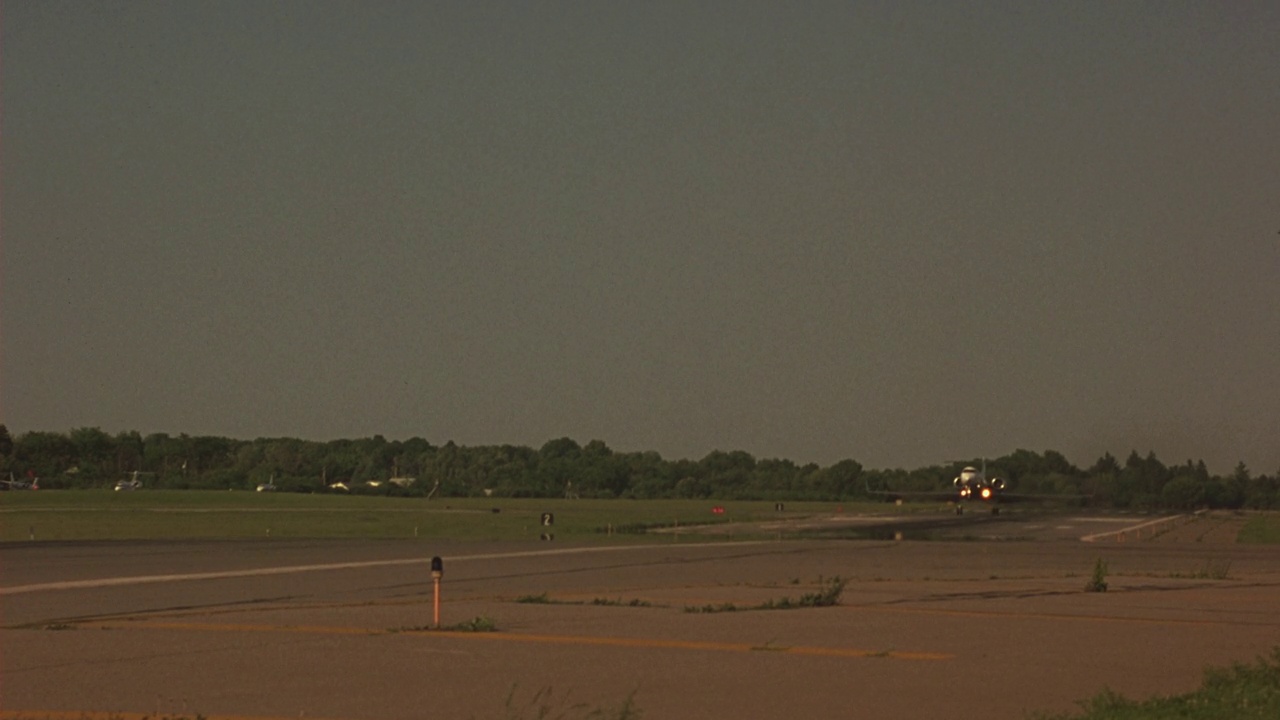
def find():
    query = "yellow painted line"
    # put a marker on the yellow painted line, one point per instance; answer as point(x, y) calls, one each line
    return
point(218, 627)
point(628, 642)
point(692, 645)
point(99, 715)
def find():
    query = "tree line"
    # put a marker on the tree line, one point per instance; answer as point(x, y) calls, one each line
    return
point(91, 458)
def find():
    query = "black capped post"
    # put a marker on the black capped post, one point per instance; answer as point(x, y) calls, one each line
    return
point(437, 572)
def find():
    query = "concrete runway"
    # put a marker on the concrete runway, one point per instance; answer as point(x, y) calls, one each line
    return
point(994, 624)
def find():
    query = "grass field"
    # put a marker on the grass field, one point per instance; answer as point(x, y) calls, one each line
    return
point(161, 514)
point(1261, 528)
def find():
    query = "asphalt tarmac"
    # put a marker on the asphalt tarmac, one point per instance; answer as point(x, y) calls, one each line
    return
point(988, 617)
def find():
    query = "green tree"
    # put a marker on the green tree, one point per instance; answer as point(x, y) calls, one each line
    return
point(1183, 492)
point(1142, 480)
point(560, 449)
point(46, 454)
point(129, 451)
point(1105, 465)
point(559, 465)
point(1229, 492)
point(94, 451)
point(649, 476)
point(1263, 492)
point(780, 478)
point(6, 451)
point(726, 474)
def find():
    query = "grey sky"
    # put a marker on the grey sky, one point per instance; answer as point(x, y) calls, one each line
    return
point(894, 232)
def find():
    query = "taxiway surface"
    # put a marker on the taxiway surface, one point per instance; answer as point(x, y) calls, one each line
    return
point(994, 623)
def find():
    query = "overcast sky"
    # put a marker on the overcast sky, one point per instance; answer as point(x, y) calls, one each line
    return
point(895, 232)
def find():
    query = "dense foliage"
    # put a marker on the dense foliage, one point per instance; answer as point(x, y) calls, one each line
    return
point(89, 457)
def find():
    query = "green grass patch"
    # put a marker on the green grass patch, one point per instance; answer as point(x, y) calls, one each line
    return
point(1261, 529)
point(1241, 692)
point(56, 515)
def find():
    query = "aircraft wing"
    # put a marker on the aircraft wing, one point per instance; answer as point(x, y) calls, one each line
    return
point(940, 495)
point(1042, 497)
point(954, 496)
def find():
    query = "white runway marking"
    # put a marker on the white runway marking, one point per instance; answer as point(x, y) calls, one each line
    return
point(290, 569)
point(1131, 528)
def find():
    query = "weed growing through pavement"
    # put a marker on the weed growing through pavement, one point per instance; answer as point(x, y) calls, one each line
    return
point(544, 705)
point(1215, 570)
point(1098, 583)
point(634, 602)
point(829, 595)
point(475, 624)
point(544, 599)
point(722, 607)
point(1241, 692)
point(1211, 570)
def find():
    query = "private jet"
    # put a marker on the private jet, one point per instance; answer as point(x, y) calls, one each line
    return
point(971, 485)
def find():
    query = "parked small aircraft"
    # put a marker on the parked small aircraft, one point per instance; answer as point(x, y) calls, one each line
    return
point(131, 484)
point(12, 484)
